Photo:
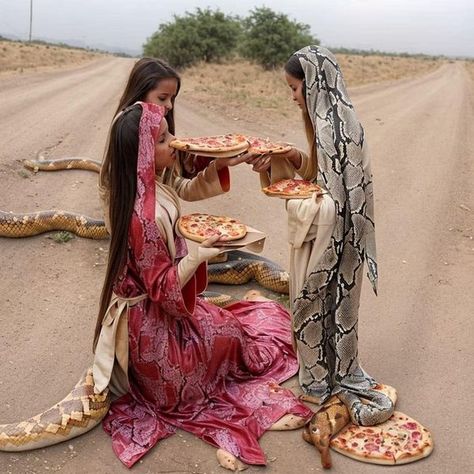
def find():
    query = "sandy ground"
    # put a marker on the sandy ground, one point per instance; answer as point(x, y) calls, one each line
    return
point(416, 335)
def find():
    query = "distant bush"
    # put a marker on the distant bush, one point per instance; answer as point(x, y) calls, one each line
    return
point(270, 38)
point(376, 52)
point(206, 35)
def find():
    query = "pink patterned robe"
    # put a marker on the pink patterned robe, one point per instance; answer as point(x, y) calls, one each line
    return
point(209, 371)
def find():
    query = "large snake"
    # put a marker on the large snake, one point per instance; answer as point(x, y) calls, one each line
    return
point(74, 415)
point(82, 409)
point(240, 267)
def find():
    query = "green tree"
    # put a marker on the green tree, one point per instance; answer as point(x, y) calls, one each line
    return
point(205, 35)
point(270, 38)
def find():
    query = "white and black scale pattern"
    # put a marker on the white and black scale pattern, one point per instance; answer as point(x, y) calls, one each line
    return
point(326, 310)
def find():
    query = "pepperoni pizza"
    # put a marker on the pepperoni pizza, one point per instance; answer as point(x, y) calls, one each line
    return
point(199, 227)
point(216, 146)
point(292, 188)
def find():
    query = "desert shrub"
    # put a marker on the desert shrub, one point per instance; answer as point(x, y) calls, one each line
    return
point(270, 38)
point(205, 35)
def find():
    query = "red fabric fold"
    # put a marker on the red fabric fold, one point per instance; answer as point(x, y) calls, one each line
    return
point(210, 371)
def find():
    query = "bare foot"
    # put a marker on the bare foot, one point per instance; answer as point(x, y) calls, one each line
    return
point(288, 422)
point(255, 295)
point(229, 461)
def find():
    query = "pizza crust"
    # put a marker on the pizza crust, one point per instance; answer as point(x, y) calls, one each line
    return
point(307, 189)
point(221, 154)
point(399, 440)
point(263, 146)
point(206, 224)
point(230, 142)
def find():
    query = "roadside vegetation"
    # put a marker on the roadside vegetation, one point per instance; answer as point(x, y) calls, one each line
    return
point(19, 56)
point(264, 37)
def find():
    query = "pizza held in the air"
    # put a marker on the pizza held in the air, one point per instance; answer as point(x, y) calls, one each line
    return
point(292, 188)
point(399, 440)
point(217, 146)
point(264, 146)
point(199, 227)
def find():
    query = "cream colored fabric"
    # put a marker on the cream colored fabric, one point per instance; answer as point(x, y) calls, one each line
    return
point(204, 185)
point(310, 226)
point(167, 211)
point(111, 354)
point(197, 254)
point(310, 221)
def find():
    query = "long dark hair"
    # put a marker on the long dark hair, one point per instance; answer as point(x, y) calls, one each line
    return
point(293, 68)
point(144, 77)
point(122, 156)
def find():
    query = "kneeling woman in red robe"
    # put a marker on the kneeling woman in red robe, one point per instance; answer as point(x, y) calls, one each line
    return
point(174, 360)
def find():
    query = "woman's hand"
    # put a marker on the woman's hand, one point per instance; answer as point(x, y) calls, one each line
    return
point(231, 161)
point(293, 156)
point(211, 241)
point(260, 163)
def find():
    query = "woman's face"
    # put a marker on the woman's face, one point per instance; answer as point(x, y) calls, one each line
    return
point(164, 93)
point(165, 156)
point(296, 86)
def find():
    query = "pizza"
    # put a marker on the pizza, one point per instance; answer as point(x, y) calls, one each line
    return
point(292, 188)
point(399, 440)
point(264, 146)
point(199, 227)
point(216, 146)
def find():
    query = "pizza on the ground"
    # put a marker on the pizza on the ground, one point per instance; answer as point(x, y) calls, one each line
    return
point(199, 227)
point(399, 440)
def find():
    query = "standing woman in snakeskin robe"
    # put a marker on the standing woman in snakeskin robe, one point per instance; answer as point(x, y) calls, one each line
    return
point(330, 236)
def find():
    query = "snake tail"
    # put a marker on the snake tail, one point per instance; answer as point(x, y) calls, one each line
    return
point(80, 411)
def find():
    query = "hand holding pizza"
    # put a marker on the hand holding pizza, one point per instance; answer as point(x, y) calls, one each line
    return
point(232, 161)
point(212, 240)
point(262, 162)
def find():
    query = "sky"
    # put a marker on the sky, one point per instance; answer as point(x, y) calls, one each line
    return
point(436, 27)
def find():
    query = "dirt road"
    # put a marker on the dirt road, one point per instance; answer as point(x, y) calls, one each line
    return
point(416, 335)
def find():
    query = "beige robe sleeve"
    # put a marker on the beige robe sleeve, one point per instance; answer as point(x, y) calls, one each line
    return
point(310, 226)
point(282, 168)
point(310, 221)
point(204, 185)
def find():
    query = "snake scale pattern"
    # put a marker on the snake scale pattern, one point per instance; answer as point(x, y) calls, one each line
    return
point(240, 268)
point(326, 311)
point(76, 414)
point(82, 409)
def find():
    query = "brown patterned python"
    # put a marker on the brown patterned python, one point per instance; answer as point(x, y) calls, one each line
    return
point(80, 411)
point(26, 225)
point(240, 268)
point(331, 417)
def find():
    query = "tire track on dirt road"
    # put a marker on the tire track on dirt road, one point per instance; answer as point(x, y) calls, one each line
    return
point(416, 335)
